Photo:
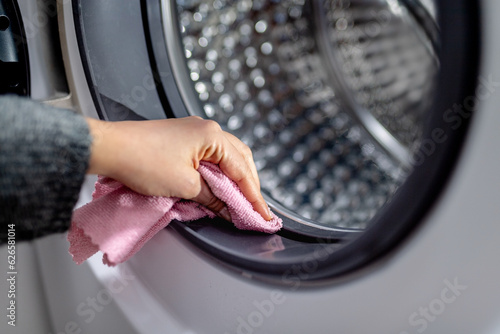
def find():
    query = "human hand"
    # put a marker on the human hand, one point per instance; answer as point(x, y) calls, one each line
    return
point(161, 158)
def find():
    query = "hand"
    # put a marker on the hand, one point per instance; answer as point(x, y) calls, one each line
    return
point(161, 158)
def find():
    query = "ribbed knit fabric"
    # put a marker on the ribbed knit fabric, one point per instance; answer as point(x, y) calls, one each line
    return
point(120, 221)
point(44, 154)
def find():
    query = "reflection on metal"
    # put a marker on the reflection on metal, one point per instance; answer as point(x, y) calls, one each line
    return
point(345, 32)
point(329, 146)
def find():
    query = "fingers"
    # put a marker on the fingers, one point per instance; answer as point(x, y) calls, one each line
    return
point(238, 165)
point(247, 155)
point(207, 198)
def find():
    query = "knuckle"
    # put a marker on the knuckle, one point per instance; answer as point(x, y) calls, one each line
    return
point(247, 152)
point(210, 126)
point(190, 189)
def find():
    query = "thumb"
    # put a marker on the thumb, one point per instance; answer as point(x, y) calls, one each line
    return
point(208, 199)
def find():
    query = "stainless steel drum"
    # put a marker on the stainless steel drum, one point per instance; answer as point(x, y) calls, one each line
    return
point(331, 96)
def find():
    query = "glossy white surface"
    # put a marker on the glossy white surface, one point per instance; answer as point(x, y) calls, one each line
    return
point(29, 296)
point(444, 279)
point(177, 289)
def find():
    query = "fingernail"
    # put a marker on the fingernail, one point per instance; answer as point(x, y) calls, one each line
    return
point(225, 214)
point(269, 215)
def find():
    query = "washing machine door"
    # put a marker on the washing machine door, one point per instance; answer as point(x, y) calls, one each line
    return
point(348, 106)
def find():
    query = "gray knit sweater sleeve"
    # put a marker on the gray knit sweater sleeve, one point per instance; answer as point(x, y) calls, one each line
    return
point(44, 154)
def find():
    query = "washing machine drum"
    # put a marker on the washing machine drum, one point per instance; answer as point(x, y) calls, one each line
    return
point(346, 105)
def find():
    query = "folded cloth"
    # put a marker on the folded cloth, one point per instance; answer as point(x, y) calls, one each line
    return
point(118, 221)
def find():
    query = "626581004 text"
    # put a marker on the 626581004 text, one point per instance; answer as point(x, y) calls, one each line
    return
point(11, 274)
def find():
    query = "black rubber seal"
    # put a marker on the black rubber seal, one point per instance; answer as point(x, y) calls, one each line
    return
point(156, 40)
point(153, 32)
point(80, 38)
point(291, 255)
point(459, 55)
point(116, 60)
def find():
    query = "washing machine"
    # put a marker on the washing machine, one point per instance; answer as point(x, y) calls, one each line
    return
point(374, 128)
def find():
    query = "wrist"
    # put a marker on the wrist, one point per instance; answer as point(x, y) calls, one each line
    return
point(101, 151)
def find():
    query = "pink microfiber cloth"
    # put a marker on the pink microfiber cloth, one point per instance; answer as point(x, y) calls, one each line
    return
point(119, 221)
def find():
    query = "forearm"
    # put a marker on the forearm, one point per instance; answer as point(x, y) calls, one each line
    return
point(44, 153)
